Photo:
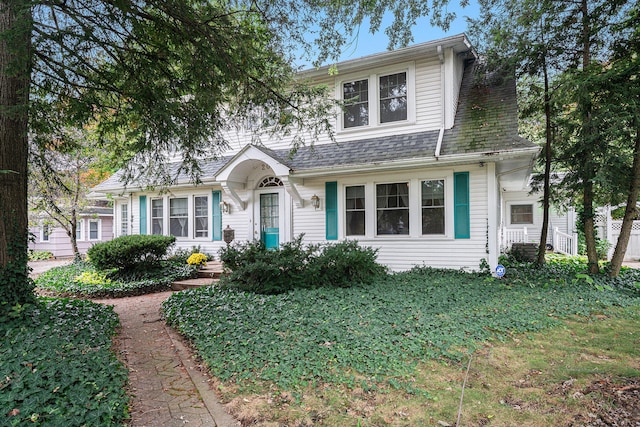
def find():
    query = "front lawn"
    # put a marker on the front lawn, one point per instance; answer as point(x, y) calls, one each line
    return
point(306, 351)
point(57, 367)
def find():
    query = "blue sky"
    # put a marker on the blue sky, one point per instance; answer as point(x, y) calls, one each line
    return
point(367, 43)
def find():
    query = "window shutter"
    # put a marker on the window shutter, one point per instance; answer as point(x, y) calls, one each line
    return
point(331, 194)
point(461, 205)
point(216, 214)
point(143, 214)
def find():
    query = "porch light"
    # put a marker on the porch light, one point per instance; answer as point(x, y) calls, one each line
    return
point(225, 207)
point(315, 202)
point(228, 234)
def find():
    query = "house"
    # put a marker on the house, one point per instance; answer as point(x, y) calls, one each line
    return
point(95, 224)
point(427, 154)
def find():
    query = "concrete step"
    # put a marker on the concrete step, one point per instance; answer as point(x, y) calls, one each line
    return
point(213, 270)
point(181, 285)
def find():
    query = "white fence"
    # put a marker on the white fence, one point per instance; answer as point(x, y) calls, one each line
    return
point(633, 249)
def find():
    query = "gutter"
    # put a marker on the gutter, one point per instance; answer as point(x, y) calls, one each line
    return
point(442, 110)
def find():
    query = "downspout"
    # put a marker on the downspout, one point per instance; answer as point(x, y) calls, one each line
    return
point(442, 97)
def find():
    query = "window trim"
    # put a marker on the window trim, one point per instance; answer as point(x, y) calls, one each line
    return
point(373, 78)
point(187, 216)
point(97, 221)
point(510, 206)
point(208, 216)
point(80, 230)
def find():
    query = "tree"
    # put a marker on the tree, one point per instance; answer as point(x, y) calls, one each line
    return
point(169, 76)
point(560, 41)
point(61, 174)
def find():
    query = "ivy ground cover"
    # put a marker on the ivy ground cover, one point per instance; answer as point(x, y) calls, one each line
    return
point(374, 336)
point(57, 367)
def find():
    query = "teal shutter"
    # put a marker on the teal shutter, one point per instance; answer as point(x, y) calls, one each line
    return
point(143, 214)
point(461, 205)
point(331, 194)
point(216, 214)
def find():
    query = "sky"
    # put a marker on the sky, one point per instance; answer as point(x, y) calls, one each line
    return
point(368, 44)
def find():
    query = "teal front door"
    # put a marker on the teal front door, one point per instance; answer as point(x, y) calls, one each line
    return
point(269, 220)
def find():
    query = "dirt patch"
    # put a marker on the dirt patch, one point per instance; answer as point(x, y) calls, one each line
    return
point(613, 402)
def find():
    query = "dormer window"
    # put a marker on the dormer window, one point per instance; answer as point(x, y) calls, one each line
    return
point(356, 103)
point(393, 97)
point(384, 98)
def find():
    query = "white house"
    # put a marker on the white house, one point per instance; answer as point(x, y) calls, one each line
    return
point(426, 157)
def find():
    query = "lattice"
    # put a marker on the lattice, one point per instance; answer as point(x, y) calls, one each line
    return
point(617, 225)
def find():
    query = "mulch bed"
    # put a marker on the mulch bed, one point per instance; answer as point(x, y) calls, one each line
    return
point(614, 403)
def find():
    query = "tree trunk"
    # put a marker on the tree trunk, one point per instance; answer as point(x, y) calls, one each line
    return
point(629, 212)
point(542, 248)
point(15, 26)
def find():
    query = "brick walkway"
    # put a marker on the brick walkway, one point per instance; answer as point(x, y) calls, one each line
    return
point(168, 390)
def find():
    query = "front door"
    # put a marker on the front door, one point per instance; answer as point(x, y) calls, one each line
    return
point(270, 219)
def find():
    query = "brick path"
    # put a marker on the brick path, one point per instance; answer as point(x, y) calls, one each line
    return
point(168, 390)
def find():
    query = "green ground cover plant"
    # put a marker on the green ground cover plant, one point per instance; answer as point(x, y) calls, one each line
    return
point(57, 367)
point(39, 255)
point(82, 279)
point(310, 348)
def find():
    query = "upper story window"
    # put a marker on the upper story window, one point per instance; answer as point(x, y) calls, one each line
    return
point(378, 99)
point(356, 103)
point(393, 97)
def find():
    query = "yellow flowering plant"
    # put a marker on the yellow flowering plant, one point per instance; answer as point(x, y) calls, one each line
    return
point(197, 259)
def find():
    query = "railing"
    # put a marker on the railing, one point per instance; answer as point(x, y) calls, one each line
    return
point(514, 235)
point(565, 243)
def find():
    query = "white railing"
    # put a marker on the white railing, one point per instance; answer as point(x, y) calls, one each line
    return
point(565, 243)
point(514, 235)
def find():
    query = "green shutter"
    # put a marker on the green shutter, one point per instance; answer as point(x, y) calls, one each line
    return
point(331, 194)
point(461, 205)
point(143, 214)
point(216, 214)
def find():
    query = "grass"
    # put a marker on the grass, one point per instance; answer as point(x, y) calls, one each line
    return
point(81, 279)
point(395, 353)
point(57, 367)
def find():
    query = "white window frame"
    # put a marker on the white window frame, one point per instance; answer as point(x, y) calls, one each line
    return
point(407, 208)
point(47, 234)
point(209, 217)
point(124, 228)
point(373, 79)
point(510, 206)
point(162, 218)
point(97, 221)
point(80, 230)
point(187, 216)
point(415, 206)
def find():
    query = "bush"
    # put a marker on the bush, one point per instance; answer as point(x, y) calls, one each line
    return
point(130, 252)
point(252, 267)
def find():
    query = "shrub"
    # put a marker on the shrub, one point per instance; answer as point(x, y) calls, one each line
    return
point(129, 252)
point(253, 267)
point(197, 259)
point(39, 255)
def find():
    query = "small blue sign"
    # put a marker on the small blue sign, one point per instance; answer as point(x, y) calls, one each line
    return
point(500, 270)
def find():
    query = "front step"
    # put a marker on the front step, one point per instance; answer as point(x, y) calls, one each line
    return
point(213, 270)
point(181, 285)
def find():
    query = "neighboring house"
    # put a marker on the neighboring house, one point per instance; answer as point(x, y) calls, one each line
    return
point(95, 224)
point(427, 159)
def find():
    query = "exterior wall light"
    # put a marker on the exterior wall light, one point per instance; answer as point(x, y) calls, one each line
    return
point(228, 234)
point(225, 207)
point(315, 202)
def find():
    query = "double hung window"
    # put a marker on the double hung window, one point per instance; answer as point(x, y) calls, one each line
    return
point(94, 229)
point(521, 214)
point(79, 230)
point(157, 211)
point(433, 207)
point(124, 219)
point(356, 103)
point(392, 208)
point(201, 216)
point(44, 233)
point(393, 97)
point(355, 210)
point(179, 217)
